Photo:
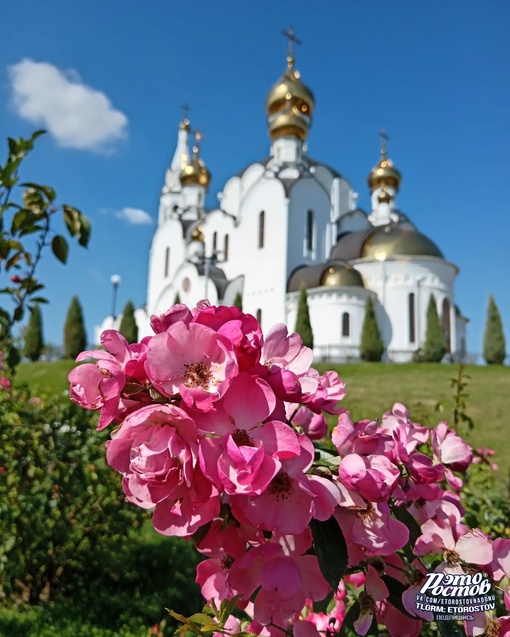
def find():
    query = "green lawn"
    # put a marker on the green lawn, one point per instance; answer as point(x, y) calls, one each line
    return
point(372, 388)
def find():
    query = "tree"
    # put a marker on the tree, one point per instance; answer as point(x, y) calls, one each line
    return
point(494, 344)
point(177, 299)
point(75, 338)
point(34, 342)
point(128, 327)
point(238, 301)
point(434, 347)
point(303, 325)
point(372, 346)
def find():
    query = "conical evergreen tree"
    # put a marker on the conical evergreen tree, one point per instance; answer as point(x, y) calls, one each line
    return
point(177, 299)
point(434, 347)
point(34, 341)
point(494, 344)
point(75, 338)
point(128, 327)
point(303, 325)
point(372, 346)
point(238, 301)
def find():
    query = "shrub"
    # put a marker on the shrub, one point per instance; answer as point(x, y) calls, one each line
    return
point(75, 339)
point(128, 327)
point(33, 340)
point(434, 347)
point(58, 501)
point(493, 337)
point(372, 346)
point(303, 325)
point(238, 301)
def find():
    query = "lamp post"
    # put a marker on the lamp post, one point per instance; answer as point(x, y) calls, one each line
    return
point(115, 279)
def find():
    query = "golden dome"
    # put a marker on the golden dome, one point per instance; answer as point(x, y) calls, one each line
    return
point(288, 124)
point(393, 240)
point(338, 273)
point(195, 173)
point(291, 98)
point(197, 235)
point(384, 196)
point(384, 174)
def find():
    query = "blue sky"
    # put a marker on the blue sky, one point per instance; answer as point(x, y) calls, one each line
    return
point(435, 75)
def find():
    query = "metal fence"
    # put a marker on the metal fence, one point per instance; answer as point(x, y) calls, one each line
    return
point(350, 354)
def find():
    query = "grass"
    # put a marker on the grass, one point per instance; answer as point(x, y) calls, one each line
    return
point(372, 389)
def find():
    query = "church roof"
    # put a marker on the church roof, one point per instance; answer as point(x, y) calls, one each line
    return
point(349, 245)
point(395, 240)
point(333, 273)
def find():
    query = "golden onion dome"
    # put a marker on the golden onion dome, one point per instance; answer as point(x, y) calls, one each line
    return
point(384, 173)
point(290, 88)
point(384, 196)
point(289, 105)
point(394, 240)
point(288, 124)
point(197, 235)
point(195, 173)
point(338, 273)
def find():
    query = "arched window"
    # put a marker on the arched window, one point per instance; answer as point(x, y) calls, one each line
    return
point(167, 261)
point(259, 315)
point(412, 318)
point(225, 248)
point(215, 241)
point(309, 230)
point(445, 323)
point(262, 221)
point(345, 324)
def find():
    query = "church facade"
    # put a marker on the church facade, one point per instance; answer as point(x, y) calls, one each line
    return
point(289, 221)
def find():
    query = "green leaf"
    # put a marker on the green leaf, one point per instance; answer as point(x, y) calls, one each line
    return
point(85, 230)
point(450, 629)
point(60, 248)
point(396, 589)
point(331, 549)
point(47, 191)
point(72, 219)
point(18, 220)
point(39, 299)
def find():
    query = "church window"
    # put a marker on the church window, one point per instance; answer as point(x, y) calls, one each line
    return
point(262, 216)
point(215, 241)
point(225, 248)
point(445, 320)
point(345, 324)
point(259, 315)
point(167, 261)
point(412, 318)
point(309, 231)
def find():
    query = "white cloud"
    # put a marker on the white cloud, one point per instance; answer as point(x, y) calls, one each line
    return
point(77, 115)
point(134, 216)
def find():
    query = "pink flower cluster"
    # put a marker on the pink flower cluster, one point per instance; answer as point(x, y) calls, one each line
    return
point(220, 434)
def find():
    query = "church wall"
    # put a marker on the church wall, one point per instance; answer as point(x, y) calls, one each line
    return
point(327, 306)
point(231, 196)
point(264, 268)
point(393, 281)
point(170, 236)
point(307, 195)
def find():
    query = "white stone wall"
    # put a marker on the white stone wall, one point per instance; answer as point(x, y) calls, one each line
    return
point(393, 280)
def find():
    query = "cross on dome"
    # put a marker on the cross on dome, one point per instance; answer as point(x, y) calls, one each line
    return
point(290, 35)
point(384, 138)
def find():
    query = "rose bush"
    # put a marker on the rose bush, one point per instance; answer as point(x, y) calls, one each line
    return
point(219, 433)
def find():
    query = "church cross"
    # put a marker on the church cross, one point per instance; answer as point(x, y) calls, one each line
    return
point(292, 40)
point(384, 138)
point(185, 111)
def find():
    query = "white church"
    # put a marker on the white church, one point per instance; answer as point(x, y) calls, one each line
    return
point(287, 221)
